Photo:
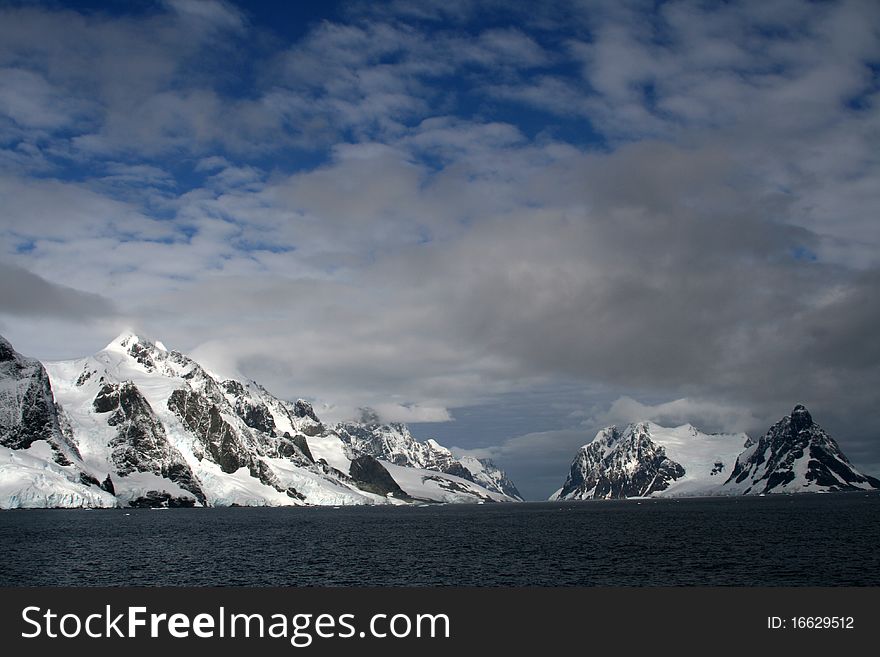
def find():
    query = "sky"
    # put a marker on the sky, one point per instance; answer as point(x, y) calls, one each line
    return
point(507, 224)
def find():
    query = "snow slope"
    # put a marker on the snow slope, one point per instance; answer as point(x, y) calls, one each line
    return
point(395, 444)
point(30, 479)
point(429, 485)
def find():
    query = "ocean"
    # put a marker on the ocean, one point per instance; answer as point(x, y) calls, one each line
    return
point(804, 540)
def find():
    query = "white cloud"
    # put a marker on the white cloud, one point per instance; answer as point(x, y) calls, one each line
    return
point(706, 415)
point(209, 13)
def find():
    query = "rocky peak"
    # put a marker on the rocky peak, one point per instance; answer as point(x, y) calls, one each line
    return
point(130, 344)
point(800, 419)
point(7, 353)
point(302, 409)
point(796, 455)
point(619, 463)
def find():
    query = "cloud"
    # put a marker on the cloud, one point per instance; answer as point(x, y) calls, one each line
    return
point(209, 14)
point(705, 415)
point(30, 101)
point(24, 294)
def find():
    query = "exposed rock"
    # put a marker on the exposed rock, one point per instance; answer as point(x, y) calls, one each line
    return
point(140, 444)
point(108, 486)
point(370, 476)
point(27, 405)
point(302, 408)
point(796, 455)
point(458, 470)
point(256, 416)
point(204, 419)
point(289, 445)
point(88, 480)
point(154, 499)
point(620, 464)
point(107, 399)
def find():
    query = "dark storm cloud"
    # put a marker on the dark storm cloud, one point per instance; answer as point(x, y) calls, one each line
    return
point(24, 294)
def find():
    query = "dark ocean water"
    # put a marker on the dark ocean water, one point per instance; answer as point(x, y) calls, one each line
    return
point(821, 540)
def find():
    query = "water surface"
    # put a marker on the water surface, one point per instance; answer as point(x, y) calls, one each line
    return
point(819, 540)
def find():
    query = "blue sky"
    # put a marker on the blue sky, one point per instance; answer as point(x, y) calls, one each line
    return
point(506, 224)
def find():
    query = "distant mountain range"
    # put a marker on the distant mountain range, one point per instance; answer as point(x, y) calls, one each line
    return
point(646, 460)
point(140, 425)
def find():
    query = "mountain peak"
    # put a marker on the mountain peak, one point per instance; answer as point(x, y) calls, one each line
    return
point(123, 341)
point(303, 409)
point(6, 350)
point(801, 418)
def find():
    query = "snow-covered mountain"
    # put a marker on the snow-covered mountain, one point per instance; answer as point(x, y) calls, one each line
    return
point(137, 424)
point(646, 460)
point(796, 456)
point(394, 443)
point(39, 463)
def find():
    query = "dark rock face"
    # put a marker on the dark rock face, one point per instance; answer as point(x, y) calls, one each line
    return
point(203, 418)
point(27, 407)
point(140, 444)
point(234, 388)
point(777, 457)
point(302, 408)
point(288, 446)
point(108, 486)
point(295, 494)
point(7, 353)
point(142, 353)
point(256, 416)
point(88, 480)
point(160, 499)
point(107, 399)
point(635, 467)
point(372, 477)
point(220, 440)
point(801, 420)
point(458, 470)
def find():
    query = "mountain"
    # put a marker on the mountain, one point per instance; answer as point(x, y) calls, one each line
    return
point(39, 463)
point(646, 460)
point(139, 425)
point(394, 443)
point(796, 456)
